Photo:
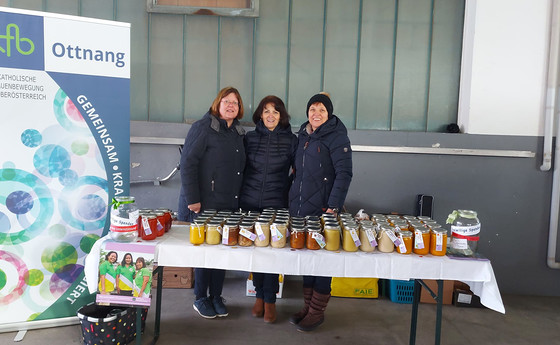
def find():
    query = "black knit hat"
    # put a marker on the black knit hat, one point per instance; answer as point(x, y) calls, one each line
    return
point(320, 98)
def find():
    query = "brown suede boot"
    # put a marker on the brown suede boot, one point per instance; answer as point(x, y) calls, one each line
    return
point(258, 308)
point(270, 312)
point(297, 317)
point(316, 314)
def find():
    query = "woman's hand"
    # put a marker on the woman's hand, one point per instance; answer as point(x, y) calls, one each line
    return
point(195, 207)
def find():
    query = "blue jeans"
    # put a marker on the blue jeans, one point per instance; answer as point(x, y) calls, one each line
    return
point(208, 280)
point(320, 284)
point(266, 286)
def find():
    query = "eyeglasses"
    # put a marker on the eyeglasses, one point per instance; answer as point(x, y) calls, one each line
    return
point(234, 103)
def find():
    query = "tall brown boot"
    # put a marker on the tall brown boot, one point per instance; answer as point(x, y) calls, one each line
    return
point(297, 317)
point(316, 314)
point(258, 308)
point(270, 312)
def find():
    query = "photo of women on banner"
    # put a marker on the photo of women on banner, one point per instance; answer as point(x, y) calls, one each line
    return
point(125, 273)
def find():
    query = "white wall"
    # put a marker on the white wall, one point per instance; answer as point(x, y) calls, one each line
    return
point(504, 68)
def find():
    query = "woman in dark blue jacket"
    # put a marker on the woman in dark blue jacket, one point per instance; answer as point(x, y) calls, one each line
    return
point(323, 172)
point(266, 182)
point(212, 165)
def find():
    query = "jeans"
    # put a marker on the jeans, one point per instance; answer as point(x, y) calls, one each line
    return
point(208, 280)
point(320, 284)
point(266, 286)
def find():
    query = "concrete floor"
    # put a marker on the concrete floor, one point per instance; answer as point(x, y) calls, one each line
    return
point(528, 320)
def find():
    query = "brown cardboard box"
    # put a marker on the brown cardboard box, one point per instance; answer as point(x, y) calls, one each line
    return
point(426, 297)
point(464, 297)
point(176, 278)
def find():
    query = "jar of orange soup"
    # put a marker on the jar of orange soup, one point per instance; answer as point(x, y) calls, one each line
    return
point(421, 240)
point(438, 241)
point(406, 242)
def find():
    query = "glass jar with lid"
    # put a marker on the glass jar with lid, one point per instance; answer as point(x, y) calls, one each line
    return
point(332, 236)
point(167, 218)
point(465, 232)
point(313, 237)
point(406, 240)
point(230, 232)
point(421, 240)
point(125, 219)
point(197, 232)
point(278, 232)
point(148, 226)
point(367, 236)
point(262, 229)
point(246, 234)
point(385, 243)
point(213, 232)
point(350, 237)
point(297, 237)
point(438, 241)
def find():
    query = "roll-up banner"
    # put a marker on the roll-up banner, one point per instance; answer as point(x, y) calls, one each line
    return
point(64, 154)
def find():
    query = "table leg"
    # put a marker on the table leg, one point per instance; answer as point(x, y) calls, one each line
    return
point(414, 316)
point(138, 326)
point(159, 271)
point(438, 310)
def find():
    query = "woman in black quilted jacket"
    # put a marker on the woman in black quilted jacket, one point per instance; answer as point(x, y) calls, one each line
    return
point(323, 172)
point(266, 182)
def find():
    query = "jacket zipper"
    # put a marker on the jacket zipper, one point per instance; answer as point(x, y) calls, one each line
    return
point(265, 169)
point(302, 172)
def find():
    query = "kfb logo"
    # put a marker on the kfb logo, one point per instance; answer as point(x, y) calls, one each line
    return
point(21, 41)
point(12, 34)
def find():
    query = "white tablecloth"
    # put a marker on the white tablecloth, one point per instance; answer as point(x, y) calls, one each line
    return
point(175, 250)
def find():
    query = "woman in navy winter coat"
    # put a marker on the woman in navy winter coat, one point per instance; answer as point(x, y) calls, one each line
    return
point(266, 181)
point(323, 172)
point(212, 165)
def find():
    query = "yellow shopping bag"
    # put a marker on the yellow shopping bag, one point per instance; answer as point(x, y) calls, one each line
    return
point(355, 287)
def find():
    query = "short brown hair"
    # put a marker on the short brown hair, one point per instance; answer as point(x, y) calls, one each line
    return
point(278, 105)
point(215, 107)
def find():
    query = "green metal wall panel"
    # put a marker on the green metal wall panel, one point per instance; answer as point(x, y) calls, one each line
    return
point(376, 73)
point(166, 68)
point(271, 50)
point(445, 64)
point(128, 11)
point(102, 9)
point(36, 5)
point(236, 47)
point(388, 64)
point(306, 58)
point(341, 48)
point(411, 65)
point(201, 75)
point(62, 6)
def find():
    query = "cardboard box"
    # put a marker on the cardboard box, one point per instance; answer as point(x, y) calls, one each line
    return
point(250, 291)
point(426, 297)
point(354, 287)
point(176, 278)
point(464, 297)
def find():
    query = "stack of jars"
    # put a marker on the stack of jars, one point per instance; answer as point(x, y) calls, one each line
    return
point(272, 227)
point(154, 223)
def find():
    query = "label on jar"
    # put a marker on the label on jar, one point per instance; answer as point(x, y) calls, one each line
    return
point(355, 237)
point(248, 234)
point(275, 233)
point(159, 226)
point(121, 224)
point(319, 238)
point(219, 229)
point(259, 231)
point(418, 240)
point(371, 237)
point(467, 230)
point(225, 235)
point(146, 226)
point(439, 241)
point(393, 238)
point(459, 243)
point(402, 246)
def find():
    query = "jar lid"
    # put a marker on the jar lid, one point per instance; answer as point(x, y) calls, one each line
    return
point(149, 215)
point(440, 230)
point(405, 233)
point(422, 229)
point(467, 213)
point(298, 229)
